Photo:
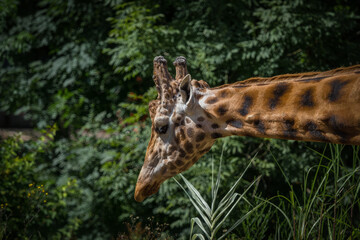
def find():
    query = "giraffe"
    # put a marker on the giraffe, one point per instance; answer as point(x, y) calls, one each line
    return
point(188, 116)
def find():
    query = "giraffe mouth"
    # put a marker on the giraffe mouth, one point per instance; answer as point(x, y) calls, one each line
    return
point(144, 190)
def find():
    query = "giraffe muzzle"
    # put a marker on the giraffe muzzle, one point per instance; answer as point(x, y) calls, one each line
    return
point(144, 190)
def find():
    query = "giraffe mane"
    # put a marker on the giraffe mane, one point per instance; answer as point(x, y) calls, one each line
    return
point(309, 76)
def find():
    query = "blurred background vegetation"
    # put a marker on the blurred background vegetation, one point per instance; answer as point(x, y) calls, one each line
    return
point(80, 72)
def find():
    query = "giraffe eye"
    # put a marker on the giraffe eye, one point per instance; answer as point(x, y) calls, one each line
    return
point(162, 129)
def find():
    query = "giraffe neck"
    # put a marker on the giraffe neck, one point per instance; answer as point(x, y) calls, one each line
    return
point(309, 107)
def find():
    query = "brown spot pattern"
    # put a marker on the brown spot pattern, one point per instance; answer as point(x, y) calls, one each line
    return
point(172, 148)
point(201, 119)
point(311, 127)
point(235, 123)
point(179, 163)
point(221, 110)
point(289, 130)
point(182, 153)
point(172, 166)
point(244, 110)
point(224, 93)
point(182, 134)
point(216, 135)
point(189, 147)
point(190, 132)
point(259, 126)
point(279, 90)
point(307, 98)
point(199, 137)
point(211, 100)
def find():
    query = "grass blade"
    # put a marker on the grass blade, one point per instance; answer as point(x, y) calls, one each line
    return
point(197, 236)
point(217, 184)
point(197, 197)
point(216, 229)
point(240, 220)
point(201, 226)
point(226, 198)
point(197, 207)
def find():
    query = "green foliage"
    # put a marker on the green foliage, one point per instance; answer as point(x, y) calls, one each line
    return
point(86, 66)
point(298, 36)
point(324, 208)
point(151, 231)
point(28, 203)
point(231, 41)
point(216, 213)
point(50, 51)
point(325, 205)
point(137, 37)
point(16, 178)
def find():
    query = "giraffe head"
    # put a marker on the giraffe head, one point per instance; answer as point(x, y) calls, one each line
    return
point(178, 139)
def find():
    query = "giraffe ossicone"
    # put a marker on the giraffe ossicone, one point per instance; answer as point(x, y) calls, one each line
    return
point(188, 116)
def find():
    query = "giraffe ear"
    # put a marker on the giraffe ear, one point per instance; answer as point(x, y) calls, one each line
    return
point(186, 89)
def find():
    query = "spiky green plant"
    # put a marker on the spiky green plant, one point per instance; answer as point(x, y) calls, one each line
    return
point(213, 215)
point(324, 208)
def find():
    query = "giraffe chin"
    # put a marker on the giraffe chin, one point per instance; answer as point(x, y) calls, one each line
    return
point(144, 190)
